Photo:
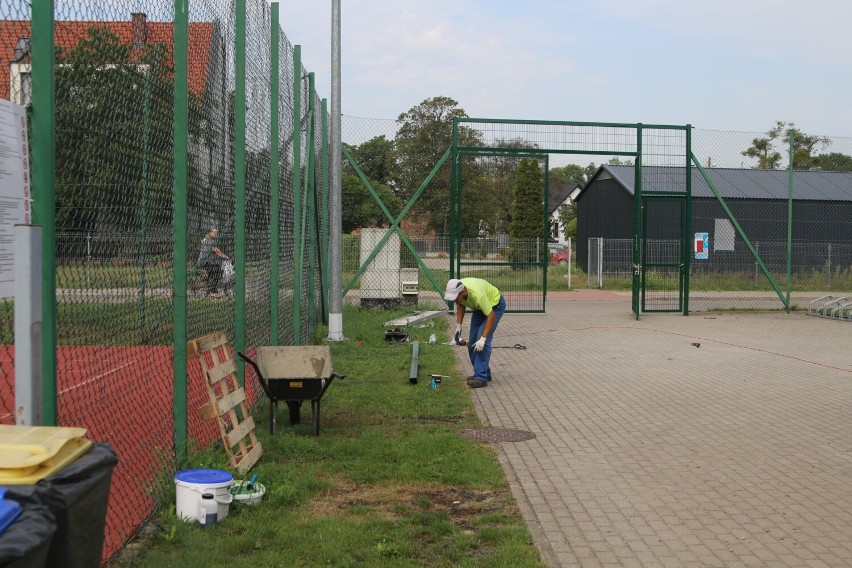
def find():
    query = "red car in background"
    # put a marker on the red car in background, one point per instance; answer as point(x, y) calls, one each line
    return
point(560, 255)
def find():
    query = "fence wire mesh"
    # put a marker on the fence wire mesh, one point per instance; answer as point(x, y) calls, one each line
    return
point(751, 173)
point(115, 210)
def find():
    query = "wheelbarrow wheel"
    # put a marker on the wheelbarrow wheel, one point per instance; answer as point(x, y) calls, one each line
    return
point(295, 407)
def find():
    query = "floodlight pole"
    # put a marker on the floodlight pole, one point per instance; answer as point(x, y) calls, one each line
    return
point(335, 241)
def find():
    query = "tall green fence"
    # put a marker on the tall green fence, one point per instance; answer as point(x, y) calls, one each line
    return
point(164, 121)
point(773, 212)
point(777, 210)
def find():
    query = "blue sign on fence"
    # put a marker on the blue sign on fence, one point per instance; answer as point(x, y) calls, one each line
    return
point(702, 246)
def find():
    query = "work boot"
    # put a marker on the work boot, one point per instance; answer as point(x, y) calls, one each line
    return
point(475, 383)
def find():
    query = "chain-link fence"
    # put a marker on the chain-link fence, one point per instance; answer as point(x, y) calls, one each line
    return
point(254, 246)
point(798, 220)
point(760, 226)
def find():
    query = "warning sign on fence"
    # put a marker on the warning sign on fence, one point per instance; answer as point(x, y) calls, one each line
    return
point(14, 187)
point(702, 246)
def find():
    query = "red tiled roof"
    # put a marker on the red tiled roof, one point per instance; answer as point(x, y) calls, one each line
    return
point(68, 33)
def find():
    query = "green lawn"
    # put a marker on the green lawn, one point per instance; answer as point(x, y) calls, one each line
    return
point(389, 482)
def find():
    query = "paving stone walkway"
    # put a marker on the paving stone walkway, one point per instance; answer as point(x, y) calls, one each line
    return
point(710, 440)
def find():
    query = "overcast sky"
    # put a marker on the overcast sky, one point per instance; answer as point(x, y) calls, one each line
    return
point(716, 64)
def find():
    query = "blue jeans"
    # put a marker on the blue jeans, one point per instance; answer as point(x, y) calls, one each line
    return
point(481, 359)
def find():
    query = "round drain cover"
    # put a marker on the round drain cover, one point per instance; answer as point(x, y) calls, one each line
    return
point(497, 435)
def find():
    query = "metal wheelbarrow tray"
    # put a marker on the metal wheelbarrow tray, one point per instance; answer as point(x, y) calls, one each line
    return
point(294, 375)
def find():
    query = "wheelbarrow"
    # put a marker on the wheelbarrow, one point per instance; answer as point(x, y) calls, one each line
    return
point(293, 375)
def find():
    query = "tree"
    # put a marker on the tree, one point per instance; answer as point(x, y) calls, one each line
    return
point(568, 219)
point(425, 133)
point(833, 162)
point(359, 207)
point(567, 175)
point(527, 212)
point(489, 187)
point(375, 158)
point(615, 161)
point(768, 157)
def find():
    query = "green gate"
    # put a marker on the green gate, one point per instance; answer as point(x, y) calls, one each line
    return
point(662, 209)
point(518, 267)
point(662, 248)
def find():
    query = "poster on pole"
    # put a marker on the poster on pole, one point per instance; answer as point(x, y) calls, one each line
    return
point(15, 203)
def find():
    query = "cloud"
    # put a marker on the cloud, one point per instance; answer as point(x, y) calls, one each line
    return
point(725, 64)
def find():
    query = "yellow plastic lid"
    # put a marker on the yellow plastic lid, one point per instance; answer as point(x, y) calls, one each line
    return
point(29, 453)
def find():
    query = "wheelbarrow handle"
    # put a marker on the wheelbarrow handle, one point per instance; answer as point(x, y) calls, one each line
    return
point(261, 380)
point(337, 376)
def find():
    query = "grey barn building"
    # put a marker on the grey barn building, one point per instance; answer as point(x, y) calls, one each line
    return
point(822, 213)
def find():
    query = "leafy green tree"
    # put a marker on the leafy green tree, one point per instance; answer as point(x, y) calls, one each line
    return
point(375, 158)
point(833, 162)
point(496, 176)
point(527, 217)
point(425, 133)
point(590, 171)
point(568, 175)
point(359, 207)
point(568, 219)
point(804, 145)
point(616, 161)
point(768, 155)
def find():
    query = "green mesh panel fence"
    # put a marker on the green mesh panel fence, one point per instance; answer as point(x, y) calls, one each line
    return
point(114, 92)
point(286, 242)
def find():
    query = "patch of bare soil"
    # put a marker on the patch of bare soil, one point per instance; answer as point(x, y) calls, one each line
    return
point(462, 504)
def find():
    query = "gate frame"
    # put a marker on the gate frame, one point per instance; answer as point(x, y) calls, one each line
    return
point(456, 207)
point(638, 234)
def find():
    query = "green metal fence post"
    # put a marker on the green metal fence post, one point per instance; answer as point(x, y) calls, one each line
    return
point(297, 194)
point(453, 189)
point(325, 193)
point(180, 132)
point(544, 257)
point(687, 238)
point(44, 190)
point(310, 194)
point(790, 230)
point(638, 237)
point(240, 189)
point(274, 170)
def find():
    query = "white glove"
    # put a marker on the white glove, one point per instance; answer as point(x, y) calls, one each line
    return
point(479, 345)
point(457, 336)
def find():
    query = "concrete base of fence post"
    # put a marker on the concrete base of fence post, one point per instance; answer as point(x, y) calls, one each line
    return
point(28, 326)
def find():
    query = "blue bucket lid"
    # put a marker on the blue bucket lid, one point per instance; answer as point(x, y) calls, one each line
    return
point(9, 511)
point(204, 476)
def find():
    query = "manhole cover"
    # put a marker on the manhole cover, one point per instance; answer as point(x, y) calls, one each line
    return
point(497, 435)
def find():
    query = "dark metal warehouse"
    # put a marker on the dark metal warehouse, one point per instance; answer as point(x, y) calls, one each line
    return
point(822, 211)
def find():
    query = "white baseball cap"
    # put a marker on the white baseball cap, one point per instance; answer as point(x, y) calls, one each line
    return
point(454, 288)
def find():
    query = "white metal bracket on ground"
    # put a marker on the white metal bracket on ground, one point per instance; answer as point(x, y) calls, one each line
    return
point(415, 318)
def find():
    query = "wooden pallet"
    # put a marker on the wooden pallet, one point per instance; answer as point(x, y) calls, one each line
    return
point(226, 397)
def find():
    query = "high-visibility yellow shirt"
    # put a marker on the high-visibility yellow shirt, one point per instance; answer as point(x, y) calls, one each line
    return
point(481, 295)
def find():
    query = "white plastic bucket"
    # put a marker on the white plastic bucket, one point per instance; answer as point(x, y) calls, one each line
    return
point(245, 497)
point(190, 484)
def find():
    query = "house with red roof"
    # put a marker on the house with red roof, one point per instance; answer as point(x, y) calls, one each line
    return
point(207, 75)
